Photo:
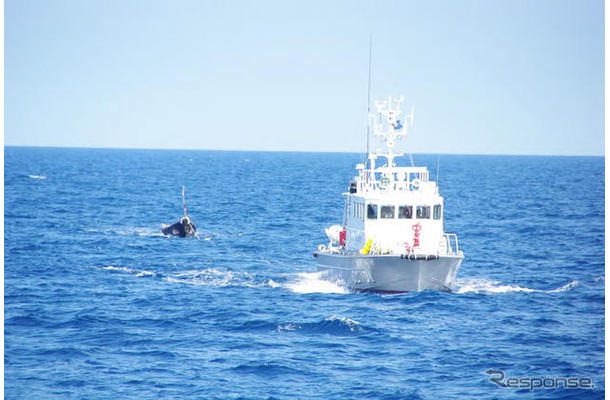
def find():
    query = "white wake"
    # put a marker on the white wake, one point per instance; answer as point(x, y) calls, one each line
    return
point(487, 286)
point(314, 282)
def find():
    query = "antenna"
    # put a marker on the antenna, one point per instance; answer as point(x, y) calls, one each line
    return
point(438, 169)
point(410, 117)
point(368, 100)
point(184, 201)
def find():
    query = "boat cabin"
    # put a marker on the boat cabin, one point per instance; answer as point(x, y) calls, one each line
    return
point(391, 209)
point(396, 215)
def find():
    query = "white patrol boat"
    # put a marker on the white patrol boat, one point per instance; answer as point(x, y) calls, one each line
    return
point(392, 237)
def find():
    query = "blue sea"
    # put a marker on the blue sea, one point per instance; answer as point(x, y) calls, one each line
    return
point(99, 305)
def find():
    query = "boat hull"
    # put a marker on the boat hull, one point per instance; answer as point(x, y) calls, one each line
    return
point(183, 228)
point(390, 273)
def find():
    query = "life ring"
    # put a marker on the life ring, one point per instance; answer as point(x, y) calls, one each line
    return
point(385, 181)
point(415, 183)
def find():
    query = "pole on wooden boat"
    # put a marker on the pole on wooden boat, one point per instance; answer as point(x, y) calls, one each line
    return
point(184, 201)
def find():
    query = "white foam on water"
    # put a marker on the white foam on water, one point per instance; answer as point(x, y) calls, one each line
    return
point(314, 282)
point(123, 269)
point(273, 283)
point(567, 286)
point(304, 283)
point(203, 277)
point(37, 176)
point(146, 232)
point(352, 324)
point(176, 280)
point(214, 277)
point(208, 276)
point(487, 286)
point(146, 273)
point(134, 231)
point(288, 327)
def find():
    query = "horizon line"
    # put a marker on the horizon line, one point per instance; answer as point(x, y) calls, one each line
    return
point(292, 151)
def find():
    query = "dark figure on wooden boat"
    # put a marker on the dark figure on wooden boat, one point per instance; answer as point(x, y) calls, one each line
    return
point(183, 228)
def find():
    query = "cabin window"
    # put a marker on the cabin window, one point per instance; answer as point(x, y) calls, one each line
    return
point(387, 212)
point(405, 212)
point(437, 211)
point(423, 212)
point(371, 211)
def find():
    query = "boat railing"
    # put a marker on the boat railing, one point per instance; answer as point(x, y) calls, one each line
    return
point(376, 186)
point(449, 245)
point(408, 179)
point(453, 246)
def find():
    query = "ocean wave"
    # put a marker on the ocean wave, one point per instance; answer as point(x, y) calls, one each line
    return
point(344, 322)
point(268, 370)
point(202, 277)
point(62, 353)
point(304, 283)
point(37, 176)
point(333, 325)
point(115, 268)
point(487, 286)
point(24, 320)
point(207, 276)
point(273, 284)
point(146, 232)
point(128, 231)
point(314, 282)
point(119, 311)
point(289, 327)
point(147, 273)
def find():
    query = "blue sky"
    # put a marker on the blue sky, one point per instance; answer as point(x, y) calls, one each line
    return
point(485, 77)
